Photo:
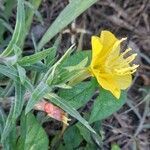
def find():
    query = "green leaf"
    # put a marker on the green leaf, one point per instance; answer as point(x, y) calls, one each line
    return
point(38, 67)
point(105, 105)
point(19, 99)
point(22, 73)
point(32, 9)
point(6, 25)
point(14, 112)
point(17, 50)
point(9, 5)
point(10, 123)
point(115, 147)
point(69, 109)
point(2, 120)
point(30, 13)
point(63, 86)
point(72, 137)
point(50, 59)
point(33, 136)
point(84, 132)
point(19, 29)
point(29, 17)
point(8, 89)
point(64, 75)
point(37, 95)
point(77, 58)
point(79, 66)
point(49, 76)
point(29, 60)
point(9, 72)
point(79, 95)
point(72, 11)
point(12, 73)
point(90, 146)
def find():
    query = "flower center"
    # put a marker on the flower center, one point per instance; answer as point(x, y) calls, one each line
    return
point(119, 65)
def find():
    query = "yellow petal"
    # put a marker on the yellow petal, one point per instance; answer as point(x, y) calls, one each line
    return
point(107, 39)
point(96, 46)
point(116, 47)
point(123, 81)
point(109, 83)
point(115, 51)
point(96, 49)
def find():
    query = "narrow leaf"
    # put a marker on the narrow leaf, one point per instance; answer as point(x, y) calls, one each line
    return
point(69, 109)
point(72, 11)
point(2, 120)
point(22, 73)
point(19, 29)
point(37, 95)
point(19, 99)
point(13, 74)
point(29, 60)
point(15, 111)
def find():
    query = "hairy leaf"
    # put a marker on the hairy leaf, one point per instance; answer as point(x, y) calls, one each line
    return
point(33, 136)
point(19, 29)
point(79, 95)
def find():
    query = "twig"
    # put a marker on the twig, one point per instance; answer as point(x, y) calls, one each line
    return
point(145, 99)
point(146, 110)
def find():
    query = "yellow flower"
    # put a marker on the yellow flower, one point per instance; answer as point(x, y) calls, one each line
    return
point(110, 67)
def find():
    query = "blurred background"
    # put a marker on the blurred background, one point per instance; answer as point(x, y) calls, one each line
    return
point(129, 127)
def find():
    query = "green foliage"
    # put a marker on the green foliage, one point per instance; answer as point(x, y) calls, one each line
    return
point(79, 95)
point(26, 80)
point(2, 120)
point(115, 147)
point(85, 133)
point(69, 109)
point(105, 105)
point(72, 10)
point(19, 29)
point(37, 94)
point(77, 57)
point(4, 23)
point(15, 111)
point(29, 60)
point(72, 138)
point(33, 136)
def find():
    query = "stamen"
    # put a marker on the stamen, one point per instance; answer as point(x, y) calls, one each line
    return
point(125, 52)
point(129, 73)
point(123, 39)
point(127, 70)
point(65, 120)
point(131, 58)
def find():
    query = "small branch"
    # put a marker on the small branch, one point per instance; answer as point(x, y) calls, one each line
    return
point(146, 110)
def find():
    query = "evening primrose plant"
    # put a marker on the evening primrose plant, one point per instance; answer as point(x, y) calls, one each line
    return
point(40, 88)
